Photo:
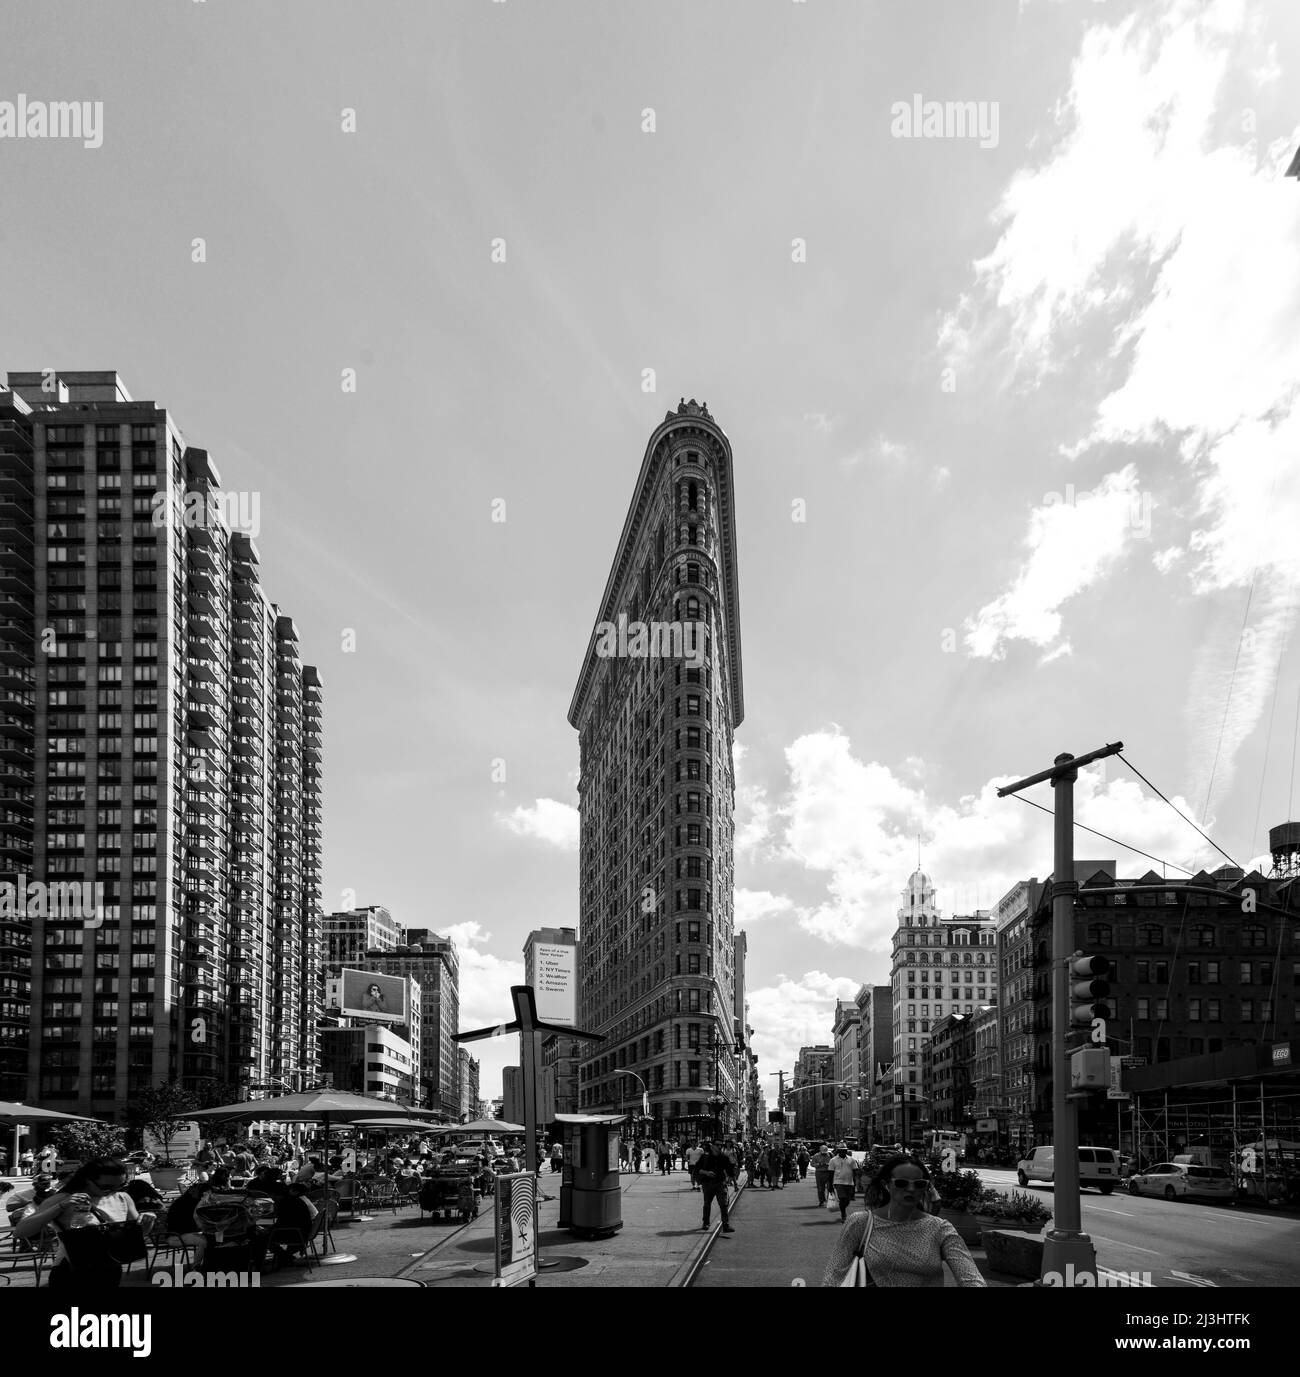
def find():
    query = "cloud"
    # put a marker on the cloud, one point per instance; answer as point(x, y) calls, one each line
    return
point(753, 905)
point(1060, 652)
point(822, 423)
point(1156, 220)
point(485, 979)
point(882, 449)
point(854, 824)
point(556, 824)
point(793, 1014)
point(753, 814)
point(940, 477)
point(1071, 545)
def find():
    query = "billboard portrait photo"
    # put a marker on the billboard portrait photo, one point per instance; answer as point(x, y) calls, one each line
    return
point(381, 998)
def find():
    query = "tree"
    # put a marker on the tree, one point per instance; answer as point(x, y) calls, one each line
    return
point(159, 1110)
point(81, 1142)
point(210, 1092)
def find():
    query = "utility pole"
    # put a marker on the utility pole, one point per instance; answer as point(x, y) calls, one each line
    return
point(1066, 1244)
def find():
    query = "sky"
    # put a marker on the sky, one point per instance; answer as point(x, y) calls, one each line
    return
point(1014, 405)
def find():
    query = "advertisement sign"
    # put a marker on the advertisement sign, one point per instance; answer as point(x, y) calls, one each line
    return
point(1113, 1091)
point(379, 998)
point(555, 983)
point(516, 1228)
point(986, 1125)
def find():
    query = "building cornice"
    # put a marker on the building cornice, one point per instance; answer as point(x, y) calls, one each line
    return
point(688, 416)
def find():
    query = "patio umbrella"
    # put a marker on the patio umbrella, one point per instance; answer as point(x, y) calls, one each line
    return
point(313, 1106)
point(14, 1115)
point(487, 1126)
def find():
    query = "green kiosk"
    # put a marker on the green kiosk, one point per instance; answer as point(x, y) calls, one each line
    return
point(591, 1191)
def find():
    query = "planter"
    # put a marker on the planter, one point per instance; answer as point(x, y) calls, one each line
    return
point(166, 1178)
point(964, 1222)
point(1014, 1253)
point(987, 1222)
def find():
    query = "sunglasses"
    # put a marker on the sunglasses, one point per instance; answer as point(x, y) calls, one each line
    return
point(903, 1182)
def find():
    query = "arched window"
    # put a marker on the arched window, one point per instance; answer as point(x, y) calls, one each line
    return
point(692, 609)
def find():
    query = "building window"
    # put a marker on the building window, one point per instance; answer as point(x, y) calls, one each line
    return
point(1194, 1010)
point(1253, 937)
point(1144, 1008)
point(1212, 1010)
point(1151, 935)
point(1247, 1011)
point(1245, 973)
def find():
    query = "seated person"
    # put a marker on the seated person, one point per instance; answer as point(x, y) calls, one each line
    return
point(146, 1197)
point(292, 1211)
point(180, 1219)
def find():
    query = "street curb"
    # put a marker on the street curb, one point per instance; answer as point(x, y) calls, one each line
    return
point(686, 1273)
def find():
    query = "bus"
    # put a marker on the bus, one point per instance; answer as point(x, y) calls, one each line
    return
point(935, 1140)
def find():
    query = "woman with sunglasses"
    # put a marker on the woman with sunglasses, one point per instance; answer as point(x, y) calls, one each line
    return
point(905, 1245)
point(94, 1194)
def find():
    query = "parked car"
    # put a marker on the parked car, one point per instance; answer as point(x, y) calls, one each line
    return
point(1098, 1167)
point(1178, 1180)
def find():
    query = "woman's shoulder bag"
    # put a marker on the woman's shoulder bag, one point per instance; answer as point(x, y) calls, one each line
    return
point(859, 1274)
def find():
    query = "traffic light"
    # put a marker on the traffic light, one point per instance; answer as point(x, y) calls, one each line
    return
point(1088, 990)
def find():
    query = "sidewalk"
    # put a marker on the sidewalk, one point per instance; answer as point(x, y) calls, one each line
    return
point(660, 1240)
point(785, 1238)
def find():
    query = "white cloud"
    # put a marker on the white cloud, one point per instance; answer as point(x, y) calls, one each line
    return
point(556, 824)
point(856, 823)
point(753, 815)
point(1154, 216)
point(822, 423)
point(1071, 545)
point(485, 981)
point(753, 905)
point(793, 1014)
point(940, 477)
point(1065, 649)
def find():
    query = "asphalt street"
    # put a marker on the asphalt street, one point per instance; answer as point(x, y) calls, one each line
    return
point(1183, 1242)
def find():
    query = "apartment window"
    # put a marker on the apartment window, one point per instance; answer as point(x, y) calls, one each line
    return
point(1212, 1010)
point(1144, 973)
point(1266, 1010)
point(1245, 973)
point(1253, 937)
point(1247, 1011)
point(1193, 972)
point(1151, 935)
point(1194, 1010)
point(1211, 972)
point(1144, 1008)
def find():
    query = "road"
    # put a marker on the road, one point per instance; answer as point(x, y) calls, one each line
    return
point(783, 1238)
point(1180, 1242)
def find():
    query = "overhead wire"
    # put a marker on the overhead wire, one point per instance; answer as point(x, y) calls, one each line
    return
point(1181, 814)
point(1114, 841)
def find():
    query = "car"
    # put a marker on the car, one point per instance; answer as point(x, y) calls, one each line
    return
point(1098, 1167)
point(1179, 1180)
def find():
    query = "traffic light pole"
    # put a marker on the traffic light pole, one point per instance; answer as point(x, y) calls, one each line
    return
point(1066, 1249)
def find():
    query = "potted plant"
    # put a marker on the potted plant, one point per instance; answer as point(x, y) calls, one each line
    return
point(959, 1192)
point(1019, 1210)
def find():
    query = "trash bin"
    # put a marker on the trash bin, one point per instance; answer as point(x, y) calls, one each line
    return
point(591, 1191)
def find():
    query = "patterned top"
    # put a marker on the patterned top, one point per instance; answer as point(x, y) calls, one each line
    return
point(904, 1254)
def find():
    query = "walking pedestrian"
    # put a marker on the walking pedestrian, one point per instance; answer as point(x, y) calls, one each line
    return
point(901, 1244)
point(651, 1153)
point(557, 1157)
point(636, 1158)
point(804, 1159)
point(693, 1156)
point(843, 1175)
point(821, 1165)
point(712, 1171)
point(665, 1158)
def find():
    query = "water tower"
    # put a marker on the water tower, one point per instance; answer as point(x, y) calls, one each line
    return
point(1284, 843)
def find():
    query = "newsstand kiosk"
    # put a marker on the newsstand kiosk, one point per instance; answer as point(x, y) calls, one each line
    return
point(591, 1191)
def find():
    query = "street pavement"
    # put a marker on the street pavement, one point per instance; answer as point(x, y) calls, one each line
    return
point(1183, 1243)
point(785, 1238)
point(782, 1238)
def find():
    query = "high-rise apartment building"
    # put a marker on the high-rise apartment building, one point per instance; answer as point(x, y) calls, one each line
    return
point(657, 703)
point(845, 1069)
point(348, 936)
point(940, 967)
point(432, 960)
point(1015, 1010)
point(811, 1095)
point(875, 1056)
point(162, 785)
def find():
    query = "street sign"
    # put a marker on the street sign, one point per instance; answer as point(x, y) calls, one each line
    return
point(1133, 1061)
point(1114, 1090)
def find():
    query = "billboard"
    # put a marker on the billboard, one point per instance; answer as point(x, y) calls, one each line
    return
point(379, 998)
point(555, 983)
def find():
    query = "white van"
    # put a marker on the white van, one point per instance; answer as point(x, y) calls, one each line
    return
point(1098, 1167)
